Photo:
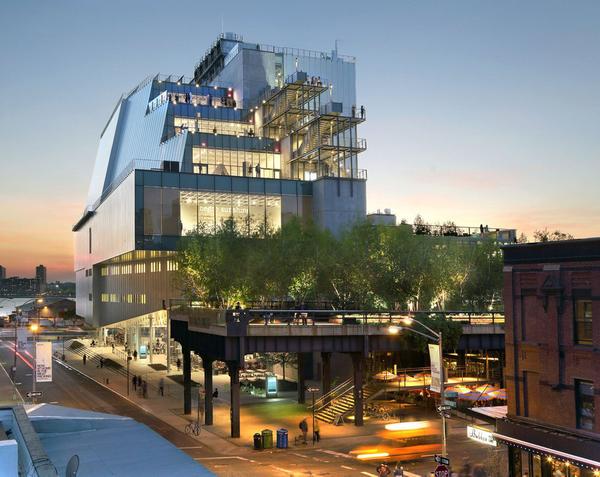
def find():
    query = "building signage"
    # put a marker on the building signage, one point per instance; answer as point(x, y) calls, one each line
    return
point(43, 362)
point(436, 367)
point(481, 435)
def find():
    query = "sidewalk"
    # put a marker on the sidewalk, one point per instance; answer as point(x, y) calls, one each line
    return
point(169, 408)
point(256, 413)
point(9, 395)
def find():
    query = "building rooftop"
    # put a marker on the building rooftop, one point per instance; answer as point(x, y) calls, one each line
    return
point(576, 250)
point(106, 444)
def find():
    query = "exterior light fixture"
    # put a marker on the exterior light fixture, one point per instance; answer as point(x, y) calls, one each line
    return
point(34, 327)
point(215, 88)
point(197, 85)
point(407, 320)
point(394, 330)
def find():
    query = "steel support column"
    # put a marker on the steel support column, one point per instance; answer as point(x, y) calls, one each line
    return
point(234, 380)
point(187, 379)
point(301, 378)
point(358, 364)
point(207, 364)
point(326, 375)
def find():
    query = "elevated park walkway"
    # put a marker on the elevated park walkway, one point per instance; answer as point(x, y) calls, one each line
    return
point(229, 335)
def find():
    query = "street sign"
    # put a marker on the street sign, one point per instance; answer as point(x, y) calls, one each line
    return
point(451, 404)
point(34, 394)
point(441, 460)
point(441, 471)
point(312, 390)
point(445, 407)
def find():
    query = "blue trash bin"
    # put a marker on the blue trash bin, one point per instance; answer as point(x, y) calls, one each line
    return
point(282, 438)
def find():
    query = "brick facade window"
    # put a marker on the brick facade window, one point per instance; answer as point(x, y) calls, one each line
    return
point(582, 325)
point(584, 402)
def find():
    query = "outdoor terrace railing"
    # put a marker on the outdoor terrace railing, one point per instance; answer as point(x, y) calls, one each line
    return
point(238, 322)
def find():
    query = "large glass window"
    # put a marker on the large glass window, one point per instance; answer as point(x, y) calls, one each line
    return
point(583, 322)
point(152, 211)
point(233, 162)
point(206, 211)
point(189, 211)
point(584, 399)
point(171, 219)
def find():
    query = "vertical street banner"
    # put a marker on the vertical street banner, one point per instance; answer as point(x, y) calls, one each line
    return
point(436, 368)
point(43, 362)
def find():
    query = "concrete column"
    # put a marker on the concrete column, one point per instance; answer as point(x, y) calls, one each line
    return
point(234, 380)
point(151, 338)
point(326, 375)
point(207, 364)
point(187, 379)
point(301, 378)
point(358, 364)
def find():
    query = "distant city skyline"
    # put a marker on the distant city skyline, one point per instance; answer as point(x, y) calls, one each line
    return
point(478, 112)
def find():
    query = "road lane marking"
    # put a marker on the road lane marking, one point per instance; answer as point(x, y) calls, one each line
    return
point(369, 474)
point(284, 470)
point(337, 454)
point(300, 455)
point(347, 468)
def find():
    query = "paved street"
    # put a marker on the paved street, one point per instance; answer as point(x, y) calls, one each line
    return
point(71, 388)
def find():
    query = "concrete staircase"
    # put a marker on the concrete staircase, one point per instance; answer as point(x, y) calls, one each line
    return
point(337, 404)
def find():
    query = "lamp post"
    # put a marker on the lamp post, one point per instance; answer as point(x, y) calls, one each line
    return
point(128, 359)
point(34, 329)
point(313, 391)
point(434, 336)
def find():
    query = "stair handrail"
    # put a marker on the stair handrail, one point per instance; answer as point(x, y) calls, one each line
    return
point(330, 393)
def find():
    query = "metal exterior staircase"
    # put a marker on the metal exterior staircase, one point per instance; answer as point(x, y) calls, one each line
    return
point(339, 402)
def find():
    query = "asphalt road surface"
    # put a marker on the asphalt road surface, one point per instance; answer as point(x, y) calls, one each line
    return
point(70, 388)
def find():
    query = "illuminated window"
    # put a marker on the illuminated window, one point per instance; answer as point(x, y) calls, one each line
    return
point(154, 267)
point(114, 298)
point(583, 322)
point(172, 265)
point(104, 271)
point(104, 297)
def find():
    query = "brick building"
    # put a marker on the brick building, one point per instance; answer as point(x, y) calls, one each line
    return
point(552, 306)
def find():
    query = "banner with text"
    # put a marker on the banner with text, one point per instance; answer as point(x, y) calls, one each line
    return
point(436, 368)
point(43, 362)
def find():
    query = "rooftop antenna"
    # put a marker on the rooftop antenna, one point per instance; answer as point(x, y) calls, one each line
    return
point(222, 27)
point(336, 46)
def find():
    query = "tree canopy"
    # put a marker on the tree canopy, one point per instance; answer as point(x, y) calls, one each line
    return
point(366, 267)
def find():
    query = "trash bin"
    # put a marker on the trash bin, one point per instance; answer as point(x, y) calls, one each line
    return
point(257, 441)
point(282, 438)
point(267, 438)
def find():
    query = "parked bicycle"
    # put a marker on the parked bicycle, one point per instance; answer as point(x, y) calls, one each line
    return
point(377, 412)
point(193, 428)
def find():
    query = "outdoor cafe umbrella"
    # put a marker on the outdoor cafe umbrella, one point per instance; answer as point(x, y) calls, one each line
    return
point(459, 388)
point(486, 388)
point(385, 376)
point(475, 396)
point(498, 394)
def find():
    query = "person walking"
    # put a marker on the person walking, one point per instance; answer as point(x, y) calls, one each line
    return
point(317, 431)
point(178, 364)
point(113, 348)
point(161, 386)
point(398, 471)
point(135, 354)
point(304, 428)
point(84, 359)
point(134, 382)
point(383, 470)
point(215, 393)
point(144, 389)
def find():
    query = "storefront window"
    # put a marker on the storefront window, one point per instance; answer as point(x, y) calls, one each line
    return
point(189, 211)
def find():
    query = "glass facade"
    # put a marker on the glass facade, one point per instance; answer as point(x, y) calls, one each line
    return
point(236, 162)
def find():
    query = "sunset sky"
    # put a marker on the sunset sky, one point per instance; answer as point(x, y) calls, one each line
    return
point(478, 112)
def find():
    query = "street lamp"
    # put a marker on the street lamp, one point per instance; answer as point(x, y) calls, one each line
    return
point(34, 328)
point(434, 336)
point(313, 390)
